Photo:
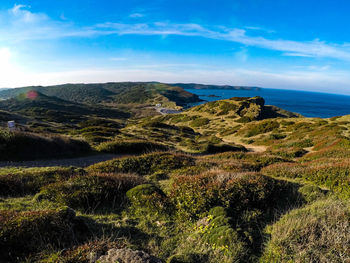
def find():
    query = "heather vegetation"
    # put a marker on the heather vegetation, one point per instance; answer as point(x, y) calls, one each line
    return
point(226, 181)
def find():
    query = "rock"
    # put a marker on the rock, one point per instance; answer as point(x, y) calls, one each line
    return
point(126, 255)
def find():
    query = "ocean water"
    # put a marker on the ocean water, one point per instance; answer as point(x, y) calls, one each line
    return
point(308, 104)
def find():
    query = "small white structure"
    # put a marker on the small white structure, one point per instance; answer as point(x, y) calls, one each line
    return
point(158, 105)
point(11, 125)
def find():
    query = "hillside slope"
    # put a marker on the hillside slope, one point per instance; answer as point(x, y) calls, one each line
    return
point(42, 107)
point(155, 203)
point(121, 93)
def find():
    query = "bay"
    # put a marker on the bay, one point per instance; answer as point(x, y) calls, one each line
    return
point(306, 103)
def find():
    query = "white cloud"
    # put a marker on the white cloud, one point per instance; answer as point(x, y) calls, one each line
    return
point(314, 48)
point(118, 59)
point(136, 15)
point(257, 28)
point(17, 8)
point(294, 54)
point(20, 13)
point(24, 25)
point(21, 25)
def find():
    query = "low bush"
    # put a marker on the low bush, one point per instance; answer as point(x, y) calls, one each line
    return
point(334, 176)
point(199, 122)
point(260, 127)
point(277, 136)
point(15, 146)
point(316, 233)
point(23, 233)
point(220, 148)
point(193, 196)
point(21, 182)
point(213, 239)
point(290, 153)
point(144, 164)
point(147, 198)
point(311, 193)
point(91, 191)
point(130, 147)
point(258, 160)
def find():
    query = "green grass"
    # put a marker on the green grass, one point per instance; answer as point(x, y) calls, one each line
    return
point(130, 147)
point(145, 164)
point(15, 146)
point(29, 232)
point(316, 233)
point(21, 182)
point(91, 192)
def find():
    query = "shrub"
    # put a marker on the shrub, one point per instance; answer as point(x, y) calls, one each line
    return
point(91, 191)
point(257, 160)
point(290, 153)
point(16, 146)
point(212, 240)
point(277, 136)
point(147, 198)
point(316, 233)
point(219, 148)
point(260, 127)
point(144, 164)
point(199, 122)
point(130, 147)
point(244, 119)
point(23, 233)
point(195, 195)
point(20, 182)
point(311, 193)
point(334, 176)
point(335, 118)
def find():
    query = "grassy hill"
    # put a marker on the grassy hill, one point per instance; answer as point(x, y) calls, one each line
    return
point(260, 184)
point(121, 93)
point(48, 108)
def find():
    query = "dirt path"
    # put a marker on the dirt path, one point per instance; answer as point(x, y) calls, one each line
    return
point(249, 147)
point(254, 148)
point(78, 162)
point(165, 111)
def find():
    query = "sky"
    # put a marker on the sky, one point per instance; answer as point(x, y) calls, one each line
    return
point(285, 44)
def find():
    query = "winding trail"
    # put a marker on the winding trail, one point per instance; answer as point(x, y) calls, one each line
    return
point(254, 148)
point(78, 162)
point(249, 147)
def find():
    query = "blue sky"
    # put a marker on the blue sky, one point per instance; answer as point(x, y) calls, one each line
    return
point(274, 44)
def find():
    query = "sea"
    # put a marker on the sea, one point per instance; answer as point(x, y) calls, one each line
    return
point(308, 104)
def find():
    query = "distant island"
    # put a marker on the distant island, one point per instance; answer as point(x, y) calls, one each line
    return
point(205, 86)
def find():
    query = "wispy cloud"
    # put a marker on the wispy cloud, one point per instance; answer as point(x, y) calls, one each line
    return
point(258, 28)
point(118, 59)
point(22, 24)
point(136, 15)
point(21, 14)
point(295, 54)
point(314, 48)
